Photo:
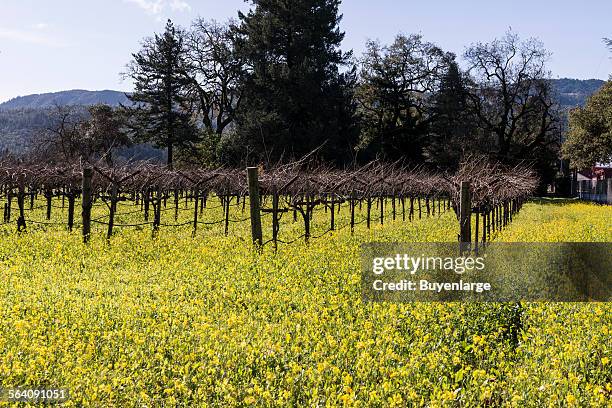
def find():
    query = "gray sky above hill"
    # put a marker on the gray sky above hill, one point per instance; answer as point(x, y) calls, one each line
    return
point(73, 44)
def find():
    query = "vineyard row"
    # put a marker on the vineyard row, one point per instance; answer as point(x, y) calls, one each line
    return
point(492, 191)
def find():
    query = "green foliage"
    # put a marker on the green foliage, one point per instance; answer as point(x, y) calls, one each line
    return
point(295, 97)
point(19, 127)
point(161, 111)
point(395, 86)
point(453, 131)
point(589, 140)
point(276, 85)
point(203, 153)
point(104, 132)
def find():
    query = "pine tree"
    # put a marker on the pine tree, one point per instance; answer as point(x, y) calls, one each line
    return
point(161, 112)
point(296, 97)
point(452, 131)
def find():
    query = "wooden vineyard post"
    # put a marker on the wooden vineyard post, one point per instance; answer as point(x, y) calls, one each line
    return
point(332, 221)
point(476, 233)
point(157, 210)
point(493, 221)
point(195, 212)
point(86, 203)
point(145, 199)
point(21, 224)
point(9, 199)
point(70, 209)
point(411, 216)
point(311, 212)
point(307, 215)
point(48, 196)
point(484, 227)
point(488, 222)
point(368, 211)
point(253, 181)
point(176, 204)
point(465, 215)
point(352, 207)
point(275, 226)
point(226, 210)
point(112, 211)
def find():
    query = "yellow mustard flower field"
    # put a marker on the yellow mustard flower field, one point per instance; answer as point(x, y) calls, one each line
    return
point(178, 320)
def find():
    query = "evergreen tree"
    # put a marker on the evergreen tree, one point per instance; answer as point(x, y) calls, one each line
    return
point(452, 130)
point(296, 99)
point(161, 112)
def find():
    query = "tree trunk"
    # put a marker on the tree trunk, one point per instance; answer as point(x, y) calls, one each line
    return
point(170, 154)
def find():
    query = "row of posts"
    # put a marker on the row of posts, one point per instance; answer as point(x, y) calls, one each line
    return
point(465, 211)
point(308, 204)
point(494, 218)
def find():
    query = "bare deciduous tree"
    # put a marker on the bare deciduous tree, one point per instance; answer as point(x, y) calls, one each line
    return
point(61, 139)
point(215, 71)
point(76, 133)
point(511, 95)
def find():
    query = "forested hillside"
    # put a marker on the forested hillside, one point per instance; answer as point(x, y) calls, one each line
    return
point(18, 127)
point(575, 92)
point(72, 97)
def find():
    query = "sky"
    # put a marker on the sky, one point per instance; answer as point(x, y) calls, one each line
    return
point(48, 46)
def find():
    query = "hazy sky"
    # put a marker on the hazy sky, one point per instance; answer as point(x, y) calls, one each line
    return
point(84, 44)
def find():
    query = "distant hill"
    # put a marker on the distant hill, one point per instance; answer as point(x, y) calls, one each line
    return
point(575, 92)
point(571, 93)
point(20, 127)
point(22, 117)
point(73, 97)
